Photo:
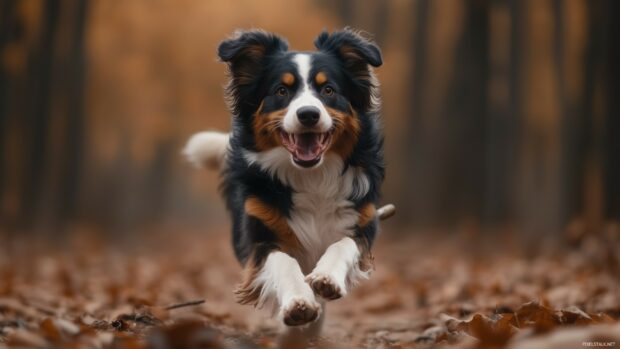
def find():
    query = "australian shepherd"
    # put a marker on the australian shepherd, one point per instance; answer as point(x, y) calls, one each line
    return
point(302, 167)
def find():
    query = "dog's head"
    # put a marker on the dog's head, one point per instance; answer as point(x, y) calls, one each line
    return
point(309, 103)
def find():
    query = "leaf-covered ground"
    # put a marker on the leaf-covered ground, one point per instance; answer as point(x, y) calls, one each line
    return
point(175, 291)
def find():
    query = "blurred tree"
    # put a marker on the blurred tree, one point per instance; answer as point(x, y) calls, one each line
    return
point(448, 140)
point(612, 118)
point(7, 33)
point(509, 109)
point(575, 125)
point(42, 110)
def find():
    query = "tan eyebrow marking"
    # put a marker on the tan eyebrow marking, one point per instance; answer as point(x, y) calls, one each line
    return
point(320, 78)
point(288, 79)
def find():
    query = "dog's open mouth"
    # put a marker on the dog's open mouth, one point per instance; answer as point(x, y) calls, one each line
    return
point(306, 148)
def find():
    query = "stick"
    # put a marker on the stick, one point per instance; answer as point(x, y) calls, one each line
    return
point(386, 212)
point(185, 304)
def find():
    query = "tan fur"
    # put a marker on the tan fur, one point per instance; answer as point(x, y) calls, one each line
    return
point(367, 214)
point(288, 79)
point(266, 128)
point(320, 78)
point(246, 292)
point(366, 259)
point(273, 219)
point(346, 132)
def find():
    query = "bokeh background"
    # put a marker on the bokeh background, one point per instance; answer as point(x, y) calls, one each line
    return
point(500, 116)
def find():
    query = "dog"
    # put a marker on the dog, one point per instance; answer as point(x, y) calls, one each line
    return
point(301, 169)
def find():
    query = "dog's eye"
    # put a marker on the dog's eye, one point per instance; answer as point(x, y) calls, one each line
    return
point(281, 91)
point(328, 91)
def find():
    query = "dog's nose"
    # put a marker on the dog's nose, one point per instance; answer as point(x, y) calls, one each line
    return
point(308, 116)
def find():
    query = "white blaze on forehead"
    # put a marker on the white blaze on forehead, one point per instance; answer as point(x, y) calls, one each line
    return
point(305, 97)
point(303, 68)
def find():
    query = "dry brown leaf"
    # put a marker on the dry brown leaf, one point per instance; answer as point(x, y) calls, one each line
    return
point(535, 315)
point(491, 333)
point(185, 335)
point(21, 337)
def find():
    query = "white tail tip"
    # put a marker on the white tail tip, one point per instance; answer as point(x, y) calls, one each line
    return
point(207, 149)
point(386, 211)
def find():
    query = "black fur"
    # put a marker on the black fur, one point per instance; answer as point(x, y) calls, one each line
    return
point(249, 56)
point(256, 61)
point(355, 54)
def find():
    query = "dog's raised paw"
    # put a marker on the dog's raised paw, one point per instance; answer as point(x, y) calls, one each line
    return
point(324, 286)
point(300, 312)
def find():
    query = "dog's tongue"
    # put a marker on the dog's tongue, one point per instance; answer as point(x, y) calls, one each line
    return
point(308, 146)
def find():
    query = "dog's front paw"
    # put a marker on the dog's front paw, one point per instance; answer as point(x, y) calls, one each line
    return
point(324, 286)
point(300, 312)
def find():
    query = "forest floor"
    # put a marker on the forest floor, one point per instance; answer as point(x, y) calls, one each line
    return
point(425, 292)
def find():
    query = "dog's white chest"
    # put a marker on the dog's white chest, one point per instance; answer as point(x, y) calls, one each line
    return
point(322, 211)
point(320, 218)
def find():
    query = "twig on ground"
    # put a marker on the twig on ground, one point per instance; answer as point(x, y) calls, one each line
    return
point(185, 304)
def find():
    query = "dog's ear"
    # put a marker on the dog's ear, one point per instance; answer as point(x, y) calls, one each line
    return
point(246, 54)
point(357, 54)
point(351, 47)
point(246, 51)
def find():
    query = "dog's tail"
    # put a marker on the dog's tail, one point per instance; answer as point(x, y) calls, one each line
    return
point(207, 150)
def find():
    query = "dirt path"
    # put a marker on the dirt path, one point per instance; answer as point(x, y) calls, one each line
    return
point(423, 293)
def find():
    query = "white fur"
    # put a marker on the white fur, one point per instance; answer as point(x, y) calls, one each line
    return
point(282, 282)
point(322, 212)
point(340, 263)
point(305, 98)
point(207, 149)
